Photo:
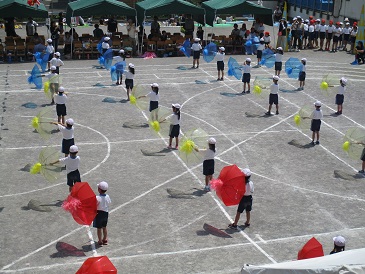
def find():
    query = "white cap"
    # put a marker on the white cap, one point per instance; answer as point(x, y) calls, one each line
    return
point(262, 40)
point(121, 51)
point(53, 68)
point(343, 80)
point(176, 106)
point(61, 89)
point(275, 77)
point(298, 16)
point(341, 23)
point(306, 21)
point(339, 241)
point(279, 48)
point(318, 20)
point(346, 20)
point(318, 103)
point(211, 141)
point(222, 48)
point(248, 59)
point(196, 39)
point(49, 40)
point(70, 121)
point(247, 172)
point(57, 54)
point(103, 185)
point(131, 65)
point(347, 24)
point(74, 149)
point(304, 59)
point(107, 38)
point(154, 85)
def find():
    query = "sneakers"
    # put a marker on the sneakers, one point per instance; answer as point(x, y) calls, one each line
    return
point(312, 143)
point(169, 147)
point(277, 112)
point(232, 226)
point(177, 147)
point(362, 171)
point(247, 225)
point(207, 188)
point(268, 113)
point(243, 92)
point(248, 91)
point(317, 143)
point(105, 242)
point(222, 79)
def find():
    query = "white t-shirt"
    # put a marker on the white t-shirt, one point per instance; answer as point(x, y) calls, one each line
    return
point(249, 189)
point(303, 67)
point(72, 164)
point(105, 45)
point(131, 29)
point(337, 32)
point(153, 96)
point(208, 154)
point(103, 201)
point(346, 30)
point(278, 57)
point(311, 28)
point(330, 29)
point(50, 49)
point(317, 114)
point(246, 68)
point(220, 56)
point(60, 99)
point(306, 27)
point(317, 27)
point(174, 119)
point(67, 133)
point(51, 75)
point(129, 75)
point(274, 88)
point(353, 32)
point(118, 59)
point(196, 47)
point(341, 89)
point(261, 47)
point(322, 28)
point(56, 62)
point(267, 39)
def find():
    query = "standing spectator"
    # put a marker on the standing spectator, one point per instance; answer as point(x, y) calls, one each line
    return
point(31, 27)
point(200, 33)
point(322, 34)
point(329, 33)
point(261, 29)
point(346, 35)
point(10, 26)
point(243, 31)
point(189, 26)
point(132, 31)
point(98, 32)
point(60, 22)
point(55, 34)
point(112, 25)
point(277, 14)
point(282, 33)
point(67, 47)
point(337, 32)
point(353, 35)
point(317, 27)
point(311, 34)
point(155, 27)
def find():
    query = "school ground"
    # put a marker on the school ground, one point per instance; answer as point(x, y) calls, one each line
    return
point(160, 219)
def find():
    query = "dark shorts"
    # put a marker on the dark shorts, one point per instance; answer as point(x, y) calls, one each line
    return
point(340, 38)
point(208, 167)
point(315, 125)
point(311, 35)
point(363, 155)
point(101, 219)
point(336, 39)
point(259, 54)
point(246, 77)
point(353, 39)
point(245, 204)
point(66, 143)
point(58, 70)
point(174, 131)
point(329, 36)
point(346, 37)
point(322, 35)
point(273, 99)
point(278, 66)
point(302, 76)
point(128, 83)
point(50, 56)
point(339, 99)
point(316, 34)
point(220, 65)
point(196, 54)
point(61, 109)
point(306, 33)
point(73, 177)
point(153, 105)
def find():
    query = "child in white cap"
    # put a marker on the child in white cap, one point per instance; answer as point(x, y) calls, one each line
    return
point(339, 244)
point(340, 95)
point(174, 126)
point(220, 63)
point(60, 99)
point(67, 131)
point(274, 96)
point(101, 219)
point(129, 77)
point(196, 48)
point(153, 96)
point(302, 74)
point(53, 82)
point(246, 76)
point(208, 161)
point(57, 62)
point(278, 60)
point(246, 201)
point(105, 44)
point(72, 163)
point(117, 59)
point(50, 50)
point(316, 117)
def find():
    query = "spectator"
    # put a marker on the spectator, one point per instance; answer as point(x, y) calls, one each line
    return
point(189, 26)
point(60, 22)
point(360, 53)
point(112, 25)
point(10, 26)
point(98, 32)
point(31, 27)
point(163, 36)
point(132, 31)
point(200, 33)
point(74, 34)
point(282, 33)
point(235, 33)
point(243, 31)
point(55, 34)
point(155, 27)
point(68, 41)
point(36, 39)
point(277, 14)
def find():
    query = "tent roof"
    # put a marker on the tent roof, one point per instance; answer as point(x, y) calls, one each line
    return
point(20, 8)
point(353, 260)
point(159, 7)
point(237, 7)
point(98, 7)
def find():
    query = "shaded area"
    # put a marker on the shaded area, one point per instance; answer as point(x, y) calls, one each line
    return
point(289, 90)
point(256, 115)
point(1, 209)
point(88, 248)
point(135, 125)
point(298, 144)
point(202, 81)
point(215, 231)
point(123, 101)
point(178, 194)
point(155, 153)
point(182, 68)
point(98, 67)
point(67, 250)
point(347, 176)
point(109, 100)
point(99, 85)
point(26, 168)
point(36, 206)
point(229, 94)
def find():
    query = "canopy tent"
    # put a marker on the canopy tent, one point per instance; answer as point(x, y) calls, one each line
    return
point(238, 7)
point(97, 7)
point(160, 7)
point(352, 261)
point(20, 9)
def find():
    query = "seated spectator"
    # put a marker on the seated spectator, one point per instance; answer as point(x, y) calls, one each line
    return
point(360, 53)
point(74, 34)
point(235, 32)
point(200, 33)
point(36, 39)
point(163, 36)
point(39, 47)
point(98, 32)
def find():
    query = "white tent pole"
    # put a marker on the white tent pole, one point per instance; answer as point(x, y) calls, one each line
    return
point(136, 40)
point(72, 37)
point(143, 22)
point(273, 29)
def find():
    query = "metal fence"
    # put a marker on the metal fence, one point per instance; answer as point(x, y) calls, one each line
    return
point(316, 5)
